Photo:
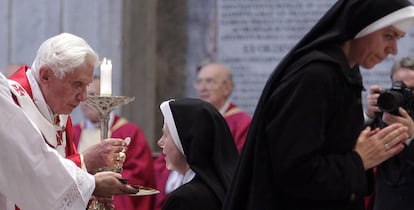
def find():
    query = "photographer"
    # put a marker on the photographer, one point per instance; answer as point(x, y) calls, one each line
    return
point(395, 177)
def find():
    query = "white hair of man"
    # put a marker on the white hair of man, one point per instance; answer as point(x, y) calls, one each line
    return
point(64, 53)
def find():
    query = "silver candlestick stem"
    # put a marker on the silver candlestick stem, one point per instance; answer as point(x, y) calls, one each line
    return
point(105, 105)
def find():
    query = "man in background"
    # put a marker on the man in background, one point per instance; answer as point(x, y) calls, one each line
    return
point(214, 84)
point(394, 188)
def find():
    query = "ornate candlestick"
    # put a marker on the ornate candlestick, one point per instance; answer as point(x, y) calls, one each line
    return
point(104, 105)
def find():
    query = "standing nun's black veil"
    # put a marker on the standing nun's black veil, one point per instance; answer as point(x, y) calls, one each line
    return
point(207, 143)
point(341, 23)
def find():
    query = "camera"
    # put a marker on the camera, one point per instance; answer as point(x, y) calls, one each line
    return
point(399, 95)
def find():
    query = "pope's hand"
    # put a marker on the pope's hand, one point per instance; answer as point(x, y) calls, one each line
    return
point(108, 183)
point(104, 154)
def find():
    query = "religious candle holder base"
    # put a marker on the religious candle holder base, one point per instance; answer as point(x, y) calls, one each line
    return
point(105, 105)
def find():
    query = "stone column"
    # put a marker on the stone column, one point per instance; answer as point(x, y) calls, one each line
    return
point(154, 49)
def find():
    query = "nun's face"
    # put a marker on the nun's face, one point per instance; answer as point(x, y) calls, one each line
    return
point(174, 159)
point(373, 48)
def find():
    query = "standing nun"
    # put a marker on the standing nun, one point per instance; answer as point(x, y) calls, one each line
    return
point(307, 147)
point(197, 143)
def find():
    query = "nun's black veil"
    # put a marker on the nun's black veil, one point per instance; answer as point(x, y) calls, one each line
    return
point(341, 23)
point(207, 143)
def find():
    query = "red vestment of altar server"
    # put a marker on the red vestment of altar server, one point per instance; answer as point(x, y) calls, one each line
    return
point(238, 122)
point(138, 165)
point(70, 149)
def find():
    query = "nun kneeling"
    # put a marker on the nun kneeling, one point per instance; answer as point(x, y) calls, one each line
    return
point(197, 143)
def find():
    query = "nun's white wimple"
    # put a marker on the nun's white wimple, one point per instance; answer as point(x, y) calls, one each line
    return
point(402, 19)
point(169, 120)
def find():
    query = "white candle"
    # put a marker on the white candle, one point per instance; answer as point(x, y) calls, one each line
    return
point(106, 78)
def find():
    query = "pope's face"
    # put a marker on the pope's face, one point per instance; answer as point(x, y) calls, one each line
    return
point(63, 95)
point(373, 48)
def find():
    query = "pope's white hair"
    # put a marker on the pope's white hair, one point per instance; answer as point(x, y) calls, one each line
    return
point(64, 53)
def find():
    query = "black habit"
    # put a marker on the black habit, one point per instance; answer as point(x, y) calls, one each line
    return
point(210, 151)
point(299, 150)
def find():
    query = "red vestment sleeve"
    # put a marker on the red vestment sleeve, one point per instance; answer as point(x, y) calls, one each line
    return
point(71, 151)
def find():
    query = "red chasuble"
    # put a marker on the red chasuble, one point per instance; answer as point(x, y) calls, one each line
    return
point(71, 152)
point(239, 123)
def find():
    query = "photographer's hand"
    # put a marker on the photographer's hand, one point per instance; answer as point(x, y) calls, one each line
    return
point(376, 146)
point(371, 103)
point(404, 119)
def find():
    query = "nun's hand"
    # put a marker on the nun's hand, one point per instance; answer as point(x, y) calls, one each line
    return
point(376, 146)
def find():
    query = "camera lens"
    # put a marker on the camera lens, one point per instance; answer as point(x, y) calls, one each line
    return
point(390, 101)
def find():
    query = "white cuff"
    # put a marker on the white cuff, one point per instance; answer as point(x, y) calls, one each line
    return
point(408, 142)
point(367, 119)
